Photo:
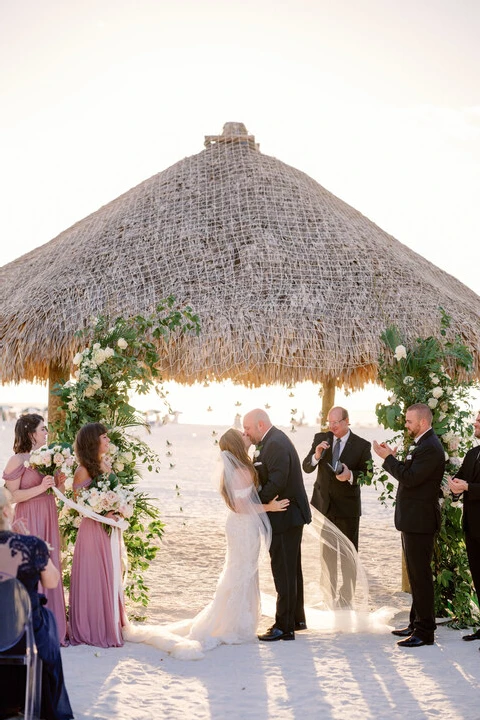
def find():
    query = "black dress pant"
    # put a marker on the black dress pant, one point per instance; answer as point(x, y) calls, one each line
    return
point(473, 554)
point(286, 566)
point(418, 550)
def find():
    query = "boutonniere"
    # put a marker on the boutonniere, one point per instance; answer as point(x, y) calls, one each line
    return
point(410, 451)
point(257, 451)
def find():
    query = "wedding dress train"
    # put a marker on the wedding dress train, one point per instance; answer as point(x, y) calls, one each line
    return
point(233, 614)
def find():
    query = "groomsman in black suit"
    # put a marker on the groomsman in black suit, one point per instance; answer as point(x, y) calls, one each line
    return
point(337, 494)
point(280, 474)
point(467, 481)
point(417, 516)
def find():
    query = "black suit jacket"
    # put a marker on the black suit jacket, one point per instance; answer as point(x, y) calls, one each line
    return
point(417, 509)
point(470, 472)
point(280, 473)
point(331, 496)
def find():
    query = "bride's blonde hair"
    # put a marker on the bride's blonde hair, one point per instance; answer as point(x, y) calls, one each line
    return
point(232, 442)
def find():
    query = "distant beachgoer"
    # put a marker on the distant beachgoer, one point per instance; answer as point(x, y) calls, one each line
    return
point(233, 614)
point(97, 611)
point(27, 558)
point(36, 509)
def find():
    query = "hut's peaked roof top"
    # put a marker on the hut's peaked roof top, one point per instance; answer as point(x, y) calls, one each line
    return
point(290, 282)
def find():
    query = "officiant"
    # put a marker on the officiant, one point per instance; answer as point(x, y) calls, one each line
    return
point(339, 456)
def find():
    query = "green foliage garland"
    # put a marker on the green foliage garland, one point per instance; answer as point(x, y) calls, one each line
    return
point(436, 372)
point(120, 358)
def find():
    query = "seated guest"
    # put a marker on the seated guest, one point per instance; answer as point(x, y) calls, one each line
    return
point(27, 558)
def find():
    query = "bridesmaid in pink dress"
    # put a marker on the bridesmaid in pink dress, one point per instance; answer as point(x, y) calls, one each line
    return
point(97, 611)
point(36, 508)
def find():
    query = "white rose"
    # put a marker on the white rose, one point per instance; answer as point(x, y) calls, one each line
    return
point(455, 461)
point(77, 359)
point(444, 406)
point(118, 466)
point(90, 391)
point(454, 443)
point(432, 403)
point(434, 379)
point(437, 392)
point(122, 343)
point(96, 346)
point(400, 352)
point(441, 417)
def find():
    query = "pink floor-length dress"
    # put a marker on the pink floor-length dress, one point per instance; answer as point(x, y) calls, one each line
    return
point(41, 519)
point(92, 593)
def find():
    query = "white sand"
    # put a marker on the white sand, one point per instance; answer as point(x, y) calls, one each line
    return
point(320, 675)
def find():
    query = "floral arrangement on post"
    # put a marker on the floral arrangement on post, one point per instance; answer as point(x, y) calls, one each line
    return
point(436, 372)
point(121, 358)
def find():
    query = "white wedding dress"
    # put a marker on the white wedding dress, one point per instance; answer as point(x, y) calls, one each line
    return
point(233, 614)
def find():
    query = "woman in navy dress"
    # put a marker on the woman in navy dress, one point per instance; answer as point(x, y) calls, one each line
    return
point(27, 558)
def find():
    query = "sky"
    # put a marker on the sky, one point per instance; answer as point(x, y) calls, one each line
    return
point(378, 101)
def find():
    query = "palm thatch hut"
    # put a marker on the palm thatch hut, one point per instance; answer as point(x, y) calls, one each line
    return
point(290, 282)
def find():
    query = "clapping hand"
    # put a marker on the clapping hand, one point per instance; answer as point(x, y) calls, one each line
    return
point(383, 450)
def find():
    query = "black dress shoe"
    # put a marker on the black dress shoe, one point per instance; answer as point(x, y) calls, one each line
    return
point(414, 641)
point(301, 625)
point(473, 636)
point(275, 633)
point(404, 632)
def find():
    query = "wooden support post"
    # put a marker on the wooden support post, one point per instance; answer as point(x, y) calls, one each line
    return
point(56, 374)
point(328, 399)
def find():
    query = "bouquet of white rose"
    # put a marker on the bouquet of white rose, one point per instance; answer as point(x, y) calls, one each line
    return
point(54, 458)
point(106, 495)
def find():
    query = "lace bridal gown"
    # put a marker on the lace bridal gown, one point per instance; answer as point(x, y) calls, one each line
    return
point(233, 614)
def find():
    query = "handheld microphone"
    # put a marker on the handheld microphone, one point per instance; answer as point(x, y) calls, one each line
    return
point(324, 450)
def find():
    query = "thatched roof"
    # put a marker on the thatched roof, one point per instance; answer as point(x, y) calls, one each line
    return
point(290, 282)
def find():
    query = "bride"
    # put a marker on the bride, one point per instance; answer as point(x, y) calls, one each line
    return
point(233, 614)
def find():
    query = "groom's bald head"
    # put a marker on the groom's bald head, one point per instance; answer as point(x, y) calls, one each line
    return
point(255, 424)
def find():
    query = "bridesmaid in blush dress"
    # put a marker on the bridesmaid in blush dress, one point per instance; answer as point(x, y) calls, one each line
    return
point(36, 509)
point(97, 612)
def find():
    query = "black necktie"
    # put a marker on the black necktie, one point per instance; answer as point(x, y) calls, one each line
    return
point(336, 452)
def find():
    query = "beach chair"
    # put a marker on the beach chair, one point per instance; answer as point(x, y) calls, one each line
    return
point(17, 642)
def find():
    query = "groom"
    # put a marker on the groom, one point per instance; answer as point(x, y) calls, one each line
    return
point(280, 474)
